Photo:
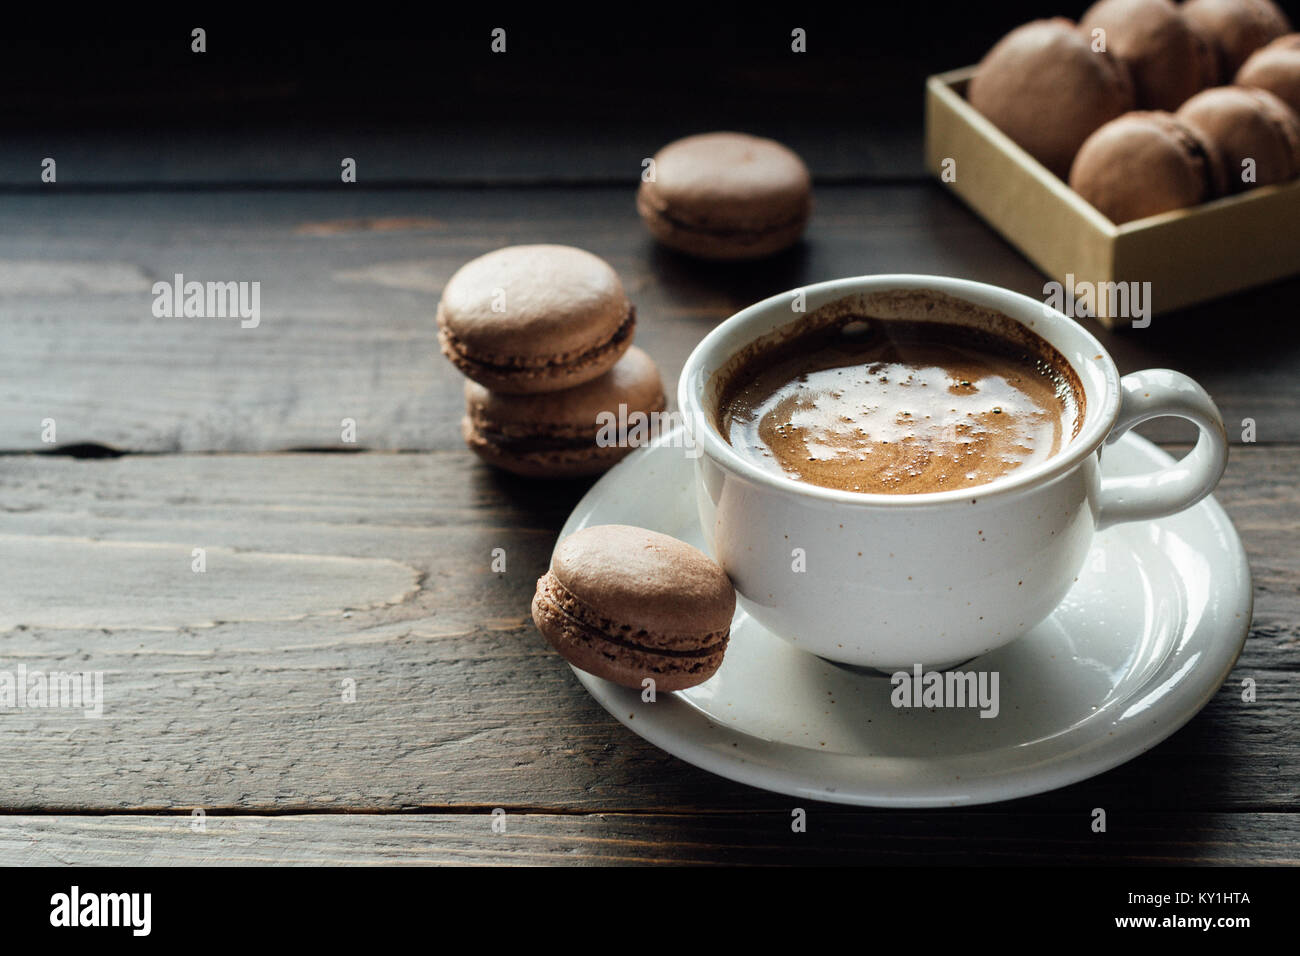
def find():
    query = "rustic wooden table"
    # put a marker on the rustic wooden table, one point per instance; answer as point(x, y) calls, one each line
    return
point(224, 691)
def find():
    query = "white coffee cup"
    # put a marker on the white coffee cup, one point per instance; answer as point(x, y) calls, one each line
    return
point(891, 581)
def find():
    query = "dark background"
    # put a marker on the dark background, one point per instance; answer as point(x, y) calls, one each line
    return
point(636, 61)
point(276, 98)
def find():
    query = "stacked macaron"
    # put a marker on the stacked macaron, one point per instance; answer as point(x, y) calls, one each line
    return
point(544, 335)
point(1121, 103)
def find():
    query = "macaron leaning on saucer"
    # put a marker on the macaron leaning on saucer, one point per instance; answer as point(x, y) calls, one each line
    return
point(569, 433)
point(1167, 60)
point(1144, 163)
point(535, 318)
point(726, 196)
point(1257, 135)
point(628, 604)
point(1276, 68)
point(1046, 88)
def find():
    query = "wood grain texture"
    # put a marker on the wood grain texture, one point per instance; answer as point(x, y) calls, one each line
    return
point(754, 838)
point(350, 279)
point(224, 690)
point(458, 702)
point(146, 585)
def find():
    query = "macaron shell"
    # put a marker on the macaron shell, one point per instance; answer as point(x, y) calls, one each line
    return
point(1142, 164)
point(643, 581)
point(1247, 124)
point(1275, 68)
point(1167, 60)
point(1235, 28)
point(592, 651)
point(540, 302)
point(719, 244)
point(726, 196)
point(1046, 89)
point(526, 319)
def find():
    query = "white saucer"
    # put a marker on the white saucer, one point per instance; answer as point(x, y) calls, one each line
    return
point(1142, 642)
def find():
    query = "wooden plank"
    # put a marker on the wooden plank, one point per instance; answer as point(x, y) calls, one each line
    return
point(749, 838)
point(350, 280)
point(223, 584)
point(458, 702)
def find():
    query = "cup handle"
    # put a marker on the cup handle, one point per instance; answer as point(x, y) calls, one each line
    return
point(1155, 393)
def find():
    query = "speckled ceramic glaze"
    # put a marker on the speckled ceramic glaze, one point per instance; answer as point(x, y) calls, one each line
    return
point(889, 581)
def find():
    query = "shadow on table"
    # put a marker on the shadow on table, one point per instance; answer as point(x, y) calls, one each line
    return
point(544, 500)
point(687, 279)
point(1186, 801)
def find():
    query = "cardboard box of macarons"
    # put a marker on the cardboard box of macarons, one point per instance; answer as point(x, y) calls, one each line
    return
point(1148, 142)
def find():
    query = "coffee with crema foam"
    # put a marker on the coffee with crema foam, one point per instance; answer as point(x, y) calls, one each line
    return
point(900, 406)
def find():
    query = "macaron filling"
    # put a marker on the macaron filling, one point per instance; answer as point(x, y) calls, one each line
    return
point(1283, 127)
point(723, 231)
point(534, 443)
point(577, 616)
point(1199, 155)
point(516, 364)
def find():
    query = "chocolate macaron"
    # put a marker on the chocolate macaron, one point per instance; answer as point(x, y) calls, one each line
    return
point(1044, 87)
point(627, 604)
point(570, 433)
point(1252, 130)
point(528, 319)
point(1275, 68)
point(1167, 60)
point(1143, 163)
point(1235, 28)
point(726, 196)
